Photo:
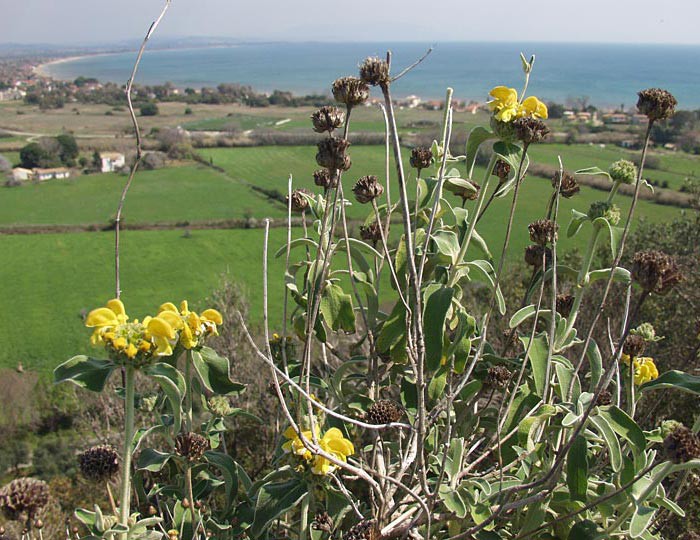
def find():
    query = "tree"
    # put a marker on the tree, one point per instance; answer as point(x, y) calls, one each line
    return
point(69, 149)
point(35, 155)
point(556, 110)
point(149, 109)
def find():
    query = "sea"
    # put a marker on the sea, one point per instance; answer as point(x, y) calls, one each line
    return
point(605, 75)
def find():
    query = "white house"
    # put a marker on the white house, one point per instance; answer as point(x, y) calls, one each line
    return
point(112, 161)
point(21, 174)
point(49, 174)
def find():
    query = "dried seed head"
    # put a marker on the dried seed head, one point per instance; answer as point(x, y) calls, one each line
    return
point(682, 445)
point(564, 304)
point(350, 91)
point(530, 130)
point(322, 522)
point(569, 186)
point(534, 254)
point(325, 179)
point(191, 445)
point(623, 171)
point(367, 189)
point(23, 497)
point(300, 201)
point(327, 119)
point(421, 157)
point(383, 411)
point(604, 398)
point(656, 104)
point(543, 231)
point(655, 271)
point(634, 345)
point(331, 154)
point(497, 377)
point(371, 233)
point(374, 71)
point(606, 210)
point(364, 530)
point(99, 463)
point(502, 170)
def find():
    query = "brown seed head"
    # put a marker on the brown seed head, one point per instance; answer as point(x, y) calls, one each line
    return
point(534, 254)
point(498, 377)
point(99, 463)
point(502, 170)
point(569, 186)
point(656, 104)
point(604, 398)
point(364, 530)
point(23, 497)
point(374, 71)
point(371, 233)
point(543, 231)
point(331, 154)
point(367, 189)
point(322, 522)
point(350, 91)
point(564, 304)
point(634, 345)
point(421, 157)
point(655, 271)
point(530, 130)
point(191, 445)
point(384, 411)
point(325, 179)
point(689, 535)
point(682, 445)
point(300, 202)
point(327, 119)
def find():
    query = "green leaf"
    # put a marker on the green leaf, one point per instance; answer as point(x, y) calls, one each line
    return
point(577, 469)
point(577, 221)
point(229, 470)
point(173, 385)
point(522, 315)
point(447, 245)
point(539, 351)
point(453, 500)
point(640, 520)
point(297, 242)
point(625, 427)
point(153, 460)
point(583, 530)
point(488, 275)
point(674, 379)
point(595, 361)
point(620, 274)
point(477, 137)
point(436, 307)
point(438, 382)
point(593, 171)
point(605, 431)
point(213, 371)
point(337, 310)
point(274, 500)
point(85, 372)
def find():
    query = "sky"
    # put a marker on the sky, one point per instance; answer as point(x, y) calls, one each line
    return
point(71, 22)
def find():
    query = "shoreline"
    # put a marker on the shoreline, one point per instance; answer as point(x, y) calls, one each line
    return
point(43, 69)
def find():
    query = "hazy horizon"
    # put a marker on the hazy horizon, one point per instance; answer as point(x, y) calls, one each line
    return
point(89, 23)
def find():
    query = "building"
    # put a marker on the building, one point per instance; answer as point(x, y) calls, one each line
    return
point(112, 161)
point(21, 174)
point(51, 174)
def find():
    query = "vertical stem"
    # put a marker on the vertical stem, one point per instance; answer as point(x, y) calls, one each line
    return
point(125, 500)
point(190, 496)
point(188, 390)
point(304, 525)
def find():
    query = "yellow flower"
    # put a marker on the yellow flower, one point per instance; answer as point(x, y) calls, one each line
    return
point(193, 327)
point(294, 444)
point(504, 103)
point(333, 442)
point(533, 107)
point(645, 369)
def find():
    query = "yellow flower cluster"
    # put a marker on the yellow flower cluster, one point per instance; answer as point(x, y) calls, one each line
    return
point(644, 368)
point(333, 442)
point(130, 341)
point(193, 327)
point(507, 107)
point(136, 342)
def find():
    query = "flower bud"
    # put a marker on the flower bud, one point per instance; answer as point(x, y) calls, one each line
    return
point(646, 331)
point(656, 104)
point(623, 171)
point(374, 71)
point(606, 210)
point(350, 91)
point(421, 157)
point(331, 154)
point(568, 187)
point(327, 119)
point(367, 189)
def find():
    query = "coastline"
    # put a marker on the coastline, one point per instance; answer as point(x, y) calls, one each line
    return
point(44, 69)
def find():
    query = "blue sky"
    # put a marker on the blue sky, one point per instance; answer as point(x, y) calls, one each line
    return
point(93, 21)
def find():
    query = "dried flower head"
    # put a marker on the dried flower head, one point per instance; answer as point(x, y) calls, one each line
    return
point(564, 304)
point(331, 154)
point(384, 411)
point(568, 187)
point(99, 463)
point(327, 118)
point(191, 445)
point(656, 104)
point(530, 130)
point(374, 71)
point(350, 91)
point(655, 271)
point(604, 398)
point(300, 201)
point(623, 171)
point(502, 170)
point(421, 157)
point(322, 522)
point(534, 254)
point(371, 233)
point(497, 377)
point(606, 210)
point(367, 189)
point(325, 179)
point(543, 231)
point(23, 498)
point(634, 345)
point(364, 530)
point(682, 445)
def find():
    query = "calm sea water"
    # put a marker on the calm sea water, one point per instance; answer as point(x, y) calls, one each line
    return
point(607, 74)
